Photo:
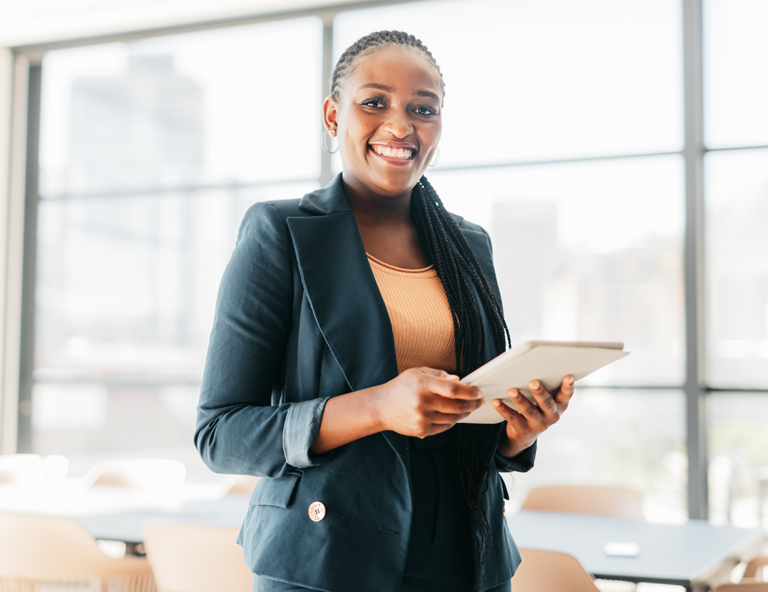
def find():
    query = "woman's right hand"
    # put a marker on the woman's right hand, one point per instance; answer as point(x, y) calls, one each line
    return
point(422, 402)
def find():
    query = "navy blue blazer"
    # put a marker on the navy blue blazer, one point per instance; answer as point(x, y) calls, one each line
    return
point(299, 319)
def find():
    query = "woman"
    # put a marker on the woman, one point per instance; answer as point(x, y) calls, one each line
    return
point(343, 322)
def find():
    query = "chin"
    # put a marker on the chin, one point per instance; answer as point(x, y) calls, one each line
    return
point(396, 184)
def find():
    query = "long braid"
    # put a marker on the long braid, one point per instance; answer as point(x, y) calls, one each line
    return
point(454, 261)
point(475, 451)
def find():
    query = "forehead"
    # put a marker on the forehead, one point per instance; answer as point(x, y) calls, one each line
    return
point(401, 68)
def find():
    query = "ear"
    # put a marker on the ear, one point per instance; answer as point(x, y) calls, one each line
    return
point(330, 114)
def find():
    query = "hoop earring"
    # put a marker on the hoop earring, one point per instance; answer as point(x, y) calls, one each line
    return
point(437, 158)
point(322, 142)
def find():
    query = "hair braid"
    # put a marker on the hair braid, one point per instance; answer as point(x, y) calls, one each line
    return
point(368, 44)
point(454, 261)
point(449, 250)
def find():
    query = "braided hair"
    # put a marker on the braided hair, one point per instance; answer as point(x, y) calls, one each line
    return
point(454, 261)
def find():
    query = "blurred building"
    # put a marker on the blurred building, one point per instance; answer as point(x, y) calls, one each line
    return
point(141, 130)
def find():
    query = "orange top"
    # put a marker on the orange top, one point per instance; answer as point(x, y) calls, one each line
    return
point(420, 315)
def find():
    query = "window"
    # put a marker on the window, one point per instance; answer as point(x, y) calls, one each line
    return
point(736, 56)
point(589, 251)
point(151, 152)
point(737, 268)
point(736, 213)
point(738, 472)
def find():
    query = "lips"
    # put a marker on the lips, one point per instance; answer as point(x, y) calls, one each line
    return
point(394, 152)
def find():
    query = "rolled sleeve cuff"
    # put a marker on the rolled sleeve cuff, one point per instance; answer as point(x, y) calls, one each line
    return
point(302, 424)
point(522, 463)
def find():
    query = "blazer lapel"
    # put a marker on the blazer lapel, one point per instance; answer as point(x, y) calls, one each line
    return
point(343, 293)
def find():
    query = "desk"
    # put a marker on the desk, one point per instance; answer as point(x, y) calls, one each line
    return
point(128, 527)
point(695, 554)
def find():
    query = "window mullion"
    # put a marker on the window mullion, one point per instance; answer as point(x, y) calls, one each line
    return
point(696, 421)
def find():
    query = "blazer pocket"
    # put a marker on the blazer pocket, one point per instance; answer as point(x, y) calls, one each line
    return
point(274, 492)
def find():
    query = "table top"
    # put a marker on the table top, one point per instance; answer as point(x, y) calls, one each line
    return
point(670, 553)
point(128, 527)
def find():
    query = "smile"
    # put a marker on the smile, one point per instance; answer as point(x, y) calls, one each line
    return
point(394, 154)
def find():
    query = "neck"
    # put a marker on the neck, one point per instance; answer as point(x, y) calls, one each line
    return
point(371, 208)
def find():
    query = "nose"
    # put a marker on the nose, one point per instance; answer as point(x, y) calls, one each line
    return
point(398, 124)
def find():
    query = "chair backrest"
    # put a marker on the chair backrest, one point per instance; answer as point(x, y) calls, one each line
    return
point(743, 587)
point(22, 469)
point(603, 501)
point(150, 473)
point(756, 569)
point(549, 571)
point(188, 558)
point(57, 551)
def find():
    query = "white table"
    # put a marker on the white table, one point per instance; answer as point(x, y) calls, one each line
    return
point(694, 555)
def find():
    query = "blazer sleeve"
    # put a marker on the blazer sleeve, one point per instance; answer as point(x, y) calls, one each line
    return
point(522, 463)
point(239, 430)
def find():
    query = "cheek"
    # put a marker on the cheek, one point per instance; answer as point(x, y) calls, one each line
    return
point(357, 136)
point(437, 132)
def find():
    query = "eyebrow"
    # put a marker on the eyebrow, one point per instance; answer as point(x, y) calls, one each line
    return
point(385, 88)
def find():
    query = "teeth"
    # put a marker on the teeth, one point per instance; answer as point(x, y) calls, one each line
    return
point(403, 153)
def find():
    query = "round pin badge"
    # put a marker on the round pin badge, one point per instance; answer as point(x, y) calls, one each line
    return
point(316, 511)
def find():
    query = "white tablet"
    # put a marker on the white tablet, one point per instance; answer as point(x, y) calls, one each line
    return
point(546, 361)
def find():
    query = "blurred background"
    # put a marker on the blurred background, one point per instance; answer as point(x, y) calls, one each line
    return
point(617, 152)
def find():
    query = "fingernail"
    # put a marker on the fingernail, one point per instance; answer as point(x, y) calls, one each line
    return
point(497, 402)
point(536, 384)
point(570, 381)
point(515, 393)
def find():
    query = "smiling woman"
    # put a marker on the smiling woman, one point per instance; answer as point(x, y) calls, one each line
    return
point(343, 324)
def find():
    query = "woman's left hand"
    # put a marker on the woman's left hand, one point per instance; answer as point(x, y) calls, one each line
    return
point(523, 427)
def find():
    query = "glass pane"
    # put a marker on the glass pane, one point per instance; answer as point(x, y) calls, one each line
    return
point(587, 251)
point(125, 295)
point(546, 79)
point(617, 438)
point(214, 107)
point(735, 84)
point(126, 286)
point(737, 268)
point(738, 467)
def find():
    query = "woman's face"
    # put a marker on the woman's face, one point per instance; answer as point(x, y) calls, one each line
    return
point(388, 120)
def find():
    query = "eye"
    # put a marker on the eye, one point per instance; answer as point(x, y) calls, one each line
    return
point(375, 102)
point(425, 110)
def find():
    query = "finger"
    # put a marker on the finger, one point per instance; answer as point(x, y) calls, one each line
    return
point(544, 398)
point(438, 418)
point(452, 389)
point(566, 391)
point(530, 411)
point(507, 412)
point(453, 406)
